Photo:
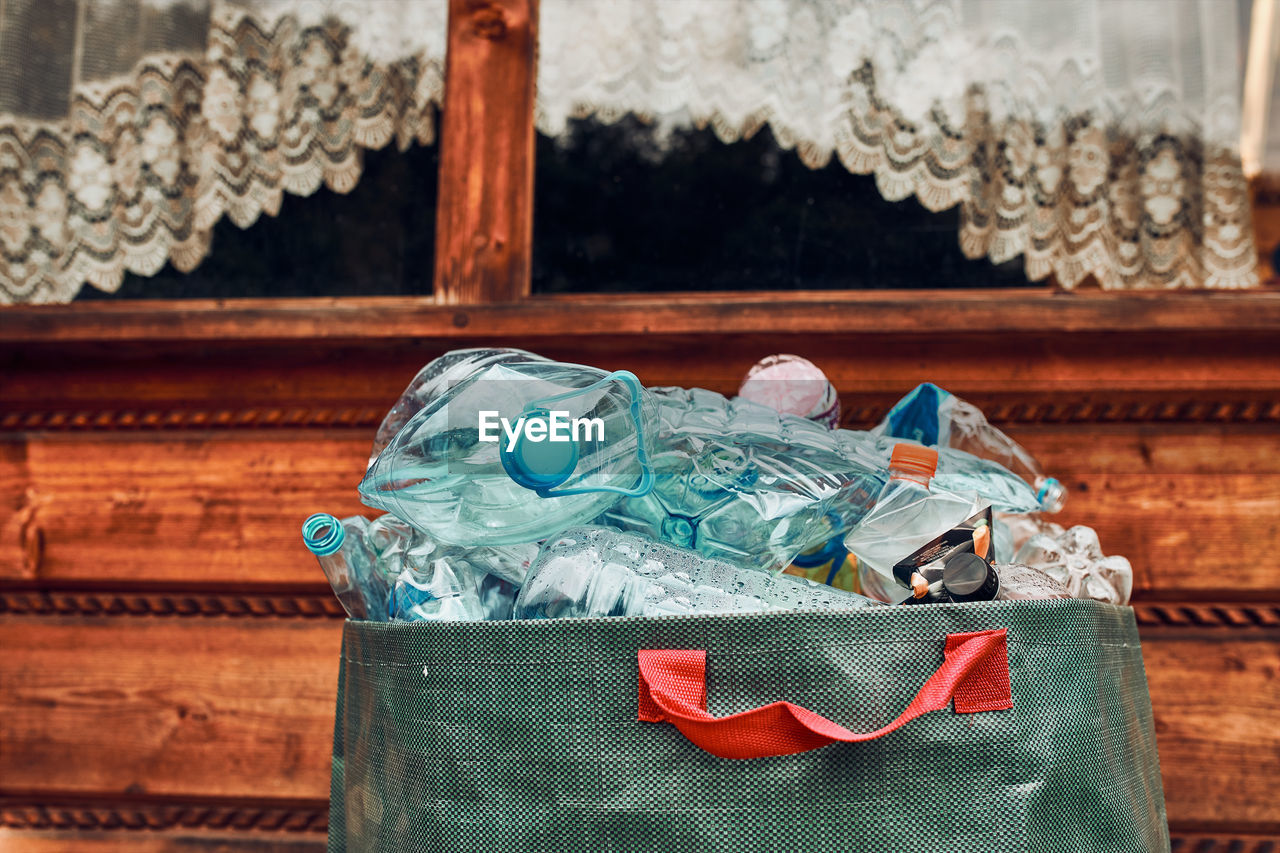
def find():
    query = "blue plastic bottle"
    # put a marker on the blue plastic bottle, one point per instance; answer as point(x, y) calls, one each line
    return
point(935, 417)
point(437, 377)
point(339, 546)
point(517, 452)
point(741, 482)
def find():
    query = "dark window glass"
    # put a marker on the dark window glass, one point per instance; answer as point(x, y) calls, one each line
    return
point(614, 213)
point(378, 240)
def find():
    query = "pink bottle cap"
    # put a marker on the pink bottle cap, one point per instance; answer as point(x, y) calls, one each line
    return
point(794, 386)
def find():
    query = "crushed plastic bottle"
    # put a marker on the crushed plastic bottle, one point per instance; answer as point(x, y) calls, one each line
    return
point(906, 516)
point(793, 386)
point(437, 377)
point(517, 452)
point(436, 582)
point(957, 471)
point(437, 594)
point(596, 571)
point(440, 582)
point(1074, 558)
point(384, 569)
point(339, 546)
point(935, 417)
point(741, 482)
point(395, 545)
point(1024, 583)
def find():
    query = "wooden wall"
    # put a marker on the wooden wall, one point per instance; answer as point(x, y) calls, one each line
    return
point(168, 649)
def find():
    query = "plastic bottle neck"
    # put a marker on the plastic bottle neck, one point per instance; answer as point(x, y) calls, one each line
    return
point(909, 476)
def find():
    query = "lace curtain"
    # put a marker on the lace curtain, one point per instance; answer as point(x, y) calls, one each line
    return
point(1091, 137)
point(128, 128)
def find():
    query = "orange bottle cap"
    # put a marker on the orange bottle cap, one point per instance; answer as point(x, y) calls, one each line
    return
point(982, 541)
point(914, 459)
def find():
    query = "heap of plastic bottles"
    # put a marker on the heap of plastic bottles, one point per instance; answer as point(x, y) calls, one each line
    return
point(519, 487)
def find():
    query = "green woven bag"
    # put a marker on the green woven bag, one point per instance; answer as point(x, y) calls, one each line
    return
point(1027, 728)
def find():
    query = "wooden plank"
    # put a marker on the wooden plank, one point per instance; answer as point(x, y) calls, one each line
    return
point(484, 210)
point(148, 707)
point(150, 841)
point(855, 313)
point(1193, 508)
point(167, 707)
point(1215, 698)
point(191, 510)
point(268, 384)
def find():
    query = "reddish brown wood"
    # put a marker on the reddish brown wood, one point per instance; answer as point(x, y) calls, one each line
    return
point(1193, 507)
point(1213, 696)
point(167, 707)
point(921, 314)
point(484, 211)
point(150, 841)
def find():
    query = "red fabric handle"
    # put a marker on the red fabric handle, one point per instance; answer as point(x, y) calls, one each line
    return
point(673, 689)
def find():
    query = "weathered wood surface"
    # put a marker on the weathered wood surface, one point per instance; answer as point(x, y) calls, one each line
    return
point(484, 209)
point(243, 710)
point(1231, 376)
point(167, 707)
point(924, 313)
point(1215, 697)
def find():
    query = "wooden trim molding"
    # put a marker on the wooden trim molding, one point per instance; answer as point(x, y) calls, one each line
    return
point(23, 600)
point(72, 602)
point(311, 818)
point(928, 313)
point(1207, 615)
point(256, 417)
point(1262, 407)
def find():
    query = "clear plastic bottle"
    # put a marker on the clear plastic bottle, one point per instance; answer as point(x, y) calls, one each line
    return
point(906, 516)
point(437, 377)
point(741, 482)
point(957, 471)
point(1074, 558)
point(384, 569)
point(794, 386)
point(339, 546)
point(935, 417)
point(437, 592)
point(517, 452)
point(441, 582)
point(596, 571)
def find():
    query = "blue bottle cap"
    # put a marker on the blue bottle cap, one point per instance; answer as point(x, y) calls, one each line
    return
point(539, 464)
point(323, 534)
